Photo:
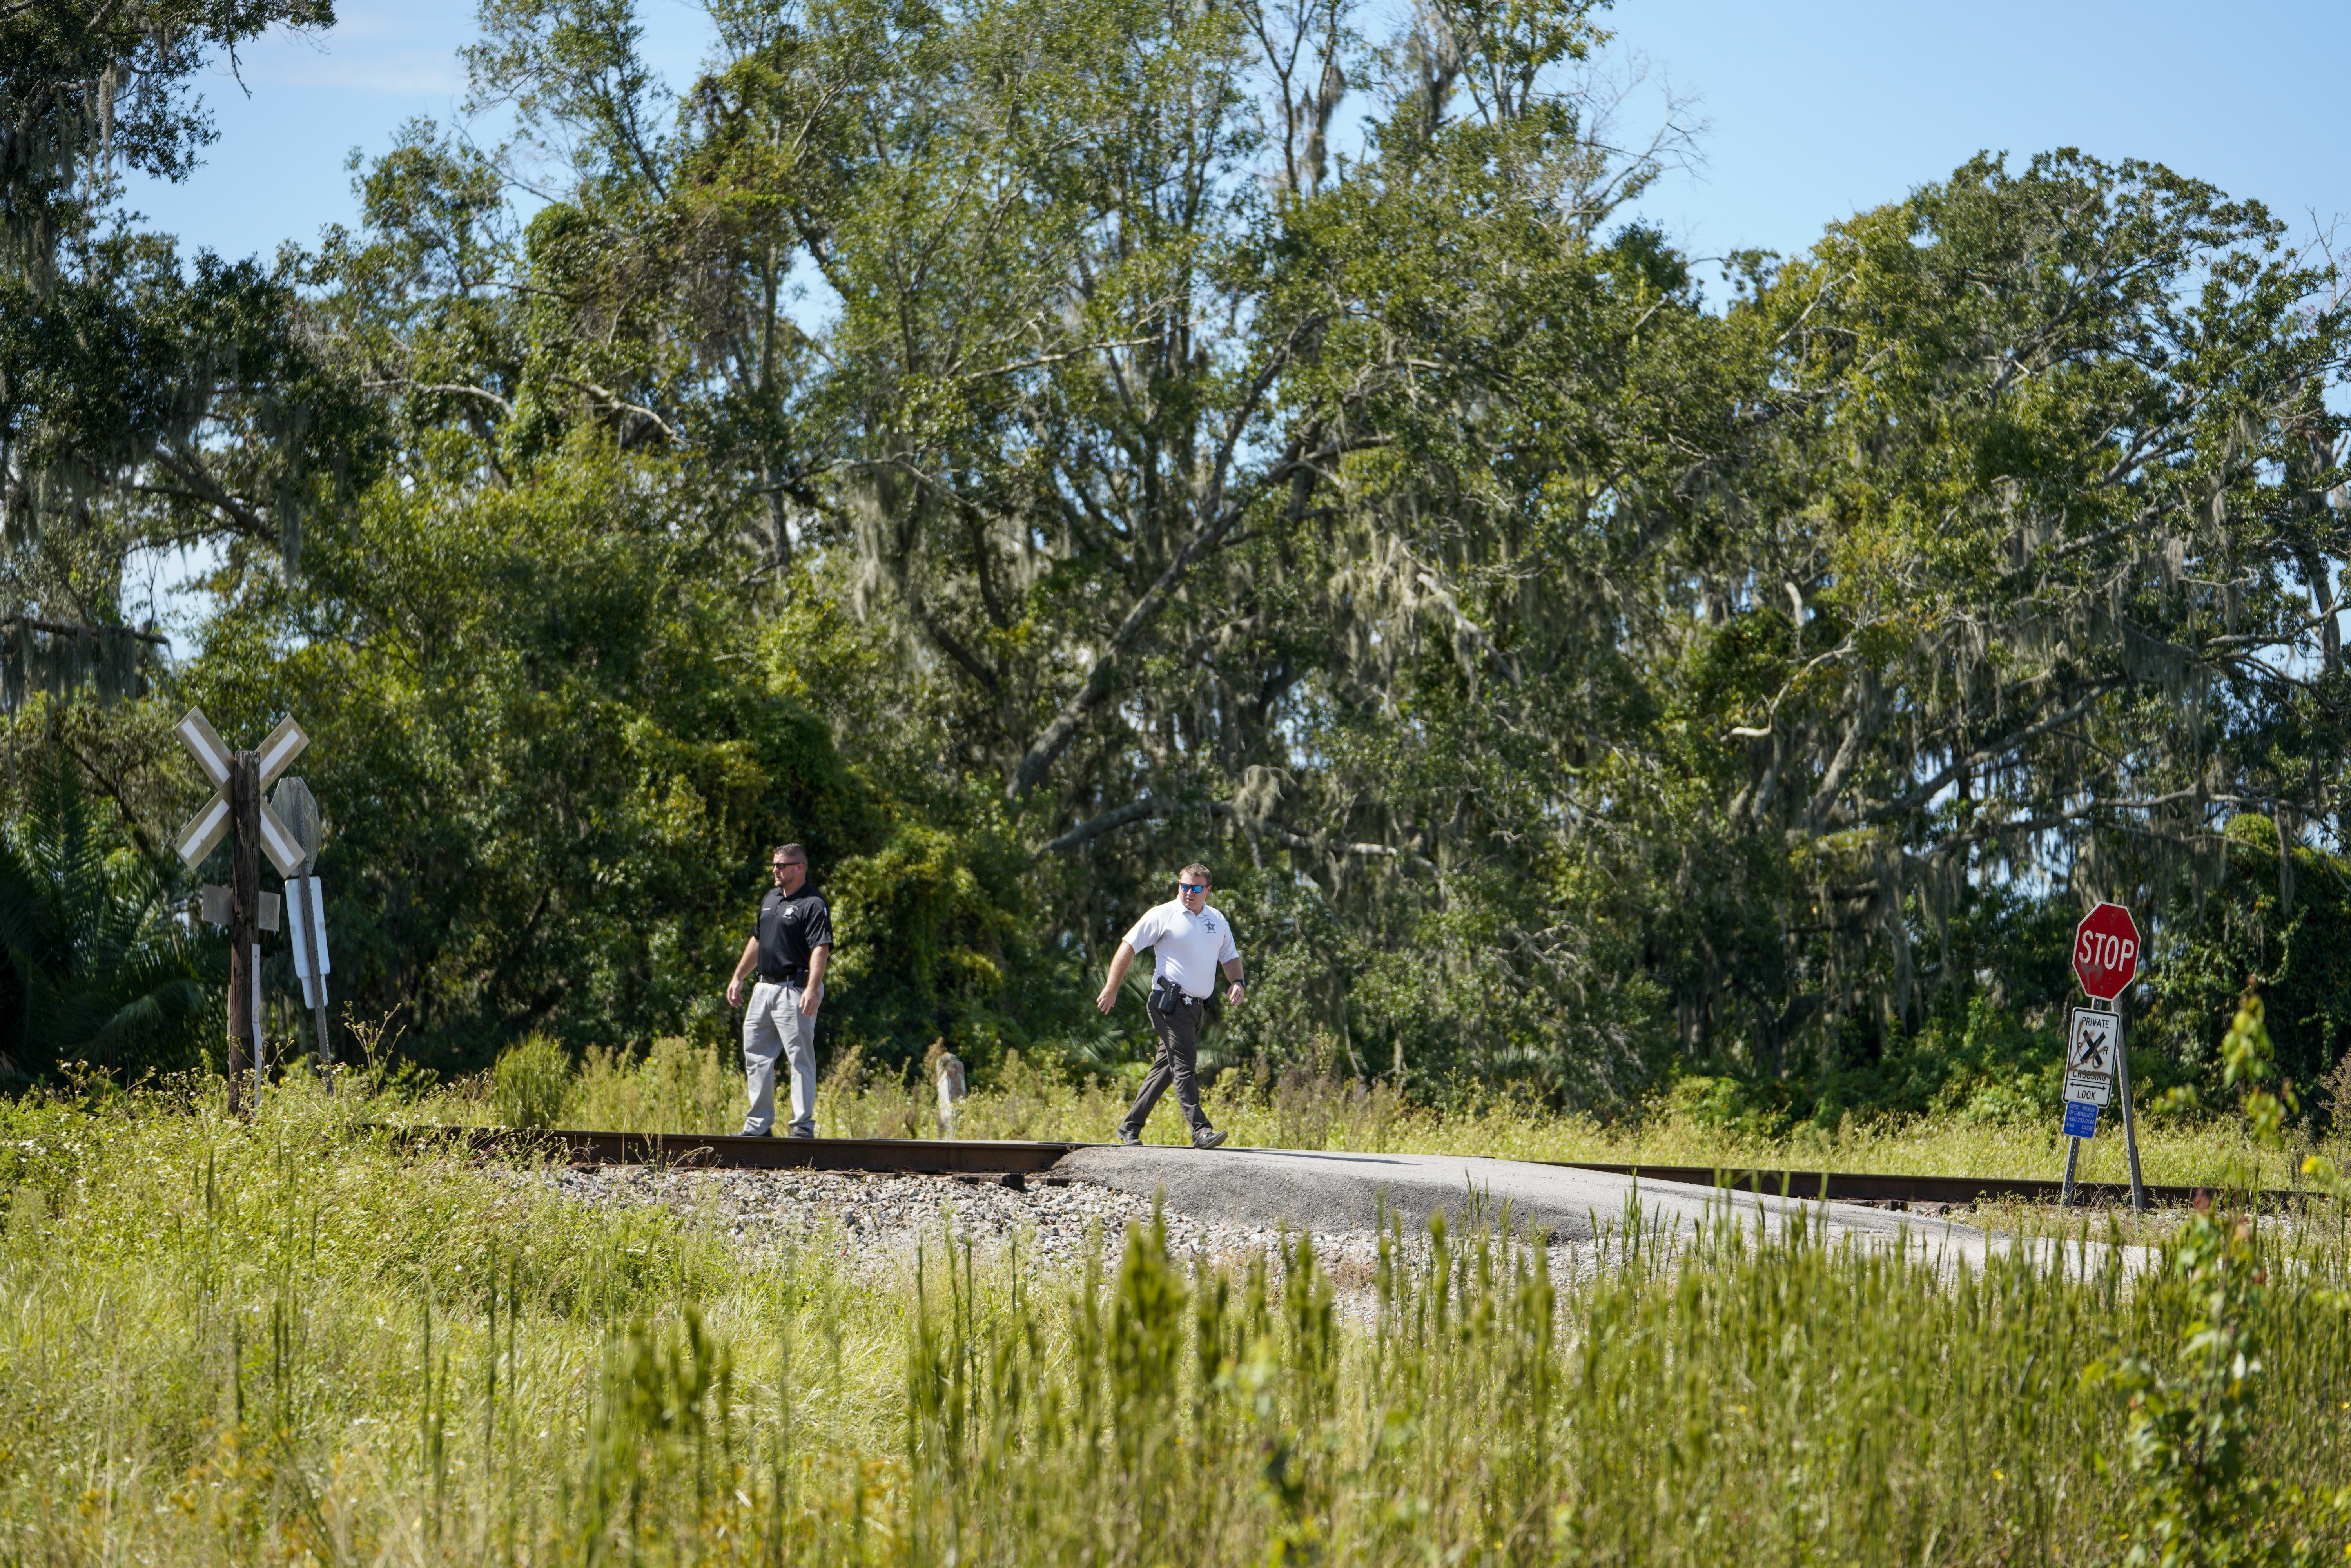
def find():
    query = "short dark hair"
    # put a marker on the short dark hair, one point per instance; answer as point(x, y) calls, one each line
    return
point(1195, 866)
point(789, 851)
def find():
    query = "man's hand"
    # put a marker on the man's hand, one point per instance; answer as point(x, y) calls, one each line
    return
point(1233, 994)
point(742, 967)
point(809, 1000)
point(1114, 979)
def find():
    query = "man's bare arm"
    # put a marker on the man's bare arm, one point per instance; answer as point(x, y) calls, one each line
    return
point(1233, 972)
point(813, 992)
point(742, 967)
point(1119, 963)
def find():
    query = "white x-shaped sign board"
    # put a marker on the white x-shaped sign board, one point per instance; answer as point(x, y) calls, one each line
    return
point(210, 824)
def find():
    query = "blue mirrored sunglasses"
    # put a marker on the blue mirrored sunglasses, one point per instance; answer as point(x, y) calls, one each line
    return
point(1191, 887)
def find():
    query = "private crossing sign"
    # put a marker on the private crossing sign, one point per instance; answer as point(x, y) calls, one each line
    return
point(2106, 960)
point(2091, 1046)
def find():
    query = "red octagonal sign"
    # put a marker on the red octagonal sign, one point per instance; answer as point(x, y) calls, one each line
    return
point(2106, 951)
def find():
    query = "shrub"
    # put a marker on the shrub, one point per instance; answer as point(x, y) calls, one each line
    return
point(531, 1082)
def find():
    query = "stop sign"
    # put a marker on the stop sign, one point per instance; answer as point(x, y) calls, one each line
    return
point(2106, 951)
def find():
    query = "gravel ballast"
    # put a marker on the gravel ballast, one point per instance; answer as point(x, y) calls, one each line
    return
point(874, 1222)
point(1225, 1206)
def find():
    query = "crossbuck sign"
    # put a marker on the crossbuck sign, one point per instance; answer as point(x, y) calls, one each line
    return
point(2092, 1045)
point(211, 823)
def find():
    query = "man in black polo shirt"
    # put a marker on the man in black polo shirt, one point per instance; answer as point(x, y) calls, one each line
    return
point(790, 949)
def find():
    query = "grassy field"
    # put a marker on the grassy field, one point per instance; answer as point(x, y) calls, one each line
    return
point(675, 1088)
point(279, 1341)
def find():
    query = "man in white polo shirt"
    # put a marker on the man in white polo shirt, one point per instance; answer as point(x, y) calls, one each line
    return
point(1193, 941)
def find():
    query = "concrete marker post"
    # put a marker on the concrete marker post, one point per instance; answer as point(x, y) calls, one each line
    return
point(260, 1046)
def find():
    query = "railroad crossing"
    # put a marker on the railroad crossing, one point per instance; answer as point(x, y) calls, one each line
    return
point(238, 812)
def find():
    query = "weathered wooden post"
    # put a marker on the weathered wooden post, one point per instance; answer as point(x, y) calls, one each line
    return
point(243, 922)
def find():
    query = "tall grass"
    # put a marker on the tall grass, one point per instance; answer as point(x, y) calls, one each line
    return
point(678, 1088)
point(286, 1342)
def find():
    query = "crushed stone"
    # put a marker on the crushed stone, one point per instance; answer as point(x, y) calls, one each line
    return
point(874, 1222)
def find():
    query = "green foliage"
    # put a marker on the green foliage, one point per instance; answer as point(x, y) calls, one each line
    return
point(2248, 1060)
point(96, 965)
point(2193, 1426)
point(141, 401)
point(2278, 921)
point(531, 1082)
point(1018, 446)
point(287, 1337)
point(943, 951)
point(574, 782)
point(658, 1448)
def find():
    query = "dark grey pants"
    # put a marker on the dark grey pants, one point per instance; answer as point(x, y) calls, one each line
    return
point(1178, 1028)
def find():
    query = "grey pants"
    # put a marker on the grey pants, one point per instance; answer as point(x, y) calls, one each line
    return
point(1178, 1028)
point(774, 1025)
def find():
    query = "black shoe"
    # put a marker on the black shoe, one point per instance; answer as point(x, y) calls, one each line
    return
point(1131, 1140)
point(748, 1133)
point(1207, 1138)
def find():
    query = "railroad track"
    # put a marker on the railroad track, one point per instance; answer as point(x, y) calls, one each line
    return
point(1011, 1162)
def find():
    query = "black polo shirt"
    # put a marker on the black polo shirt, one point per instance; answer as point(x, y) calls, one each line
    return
point(788, 928)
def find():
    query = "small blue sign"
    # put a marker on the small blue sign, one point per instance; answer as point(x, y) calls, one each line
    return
point(2081, 1120)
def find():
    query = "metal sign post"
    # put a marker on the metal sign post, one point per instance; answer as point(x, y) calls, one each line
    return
point(306, 914)
point(2093, 1041)
point(2130, 1118)
point(2106, 960)
point(235, 811)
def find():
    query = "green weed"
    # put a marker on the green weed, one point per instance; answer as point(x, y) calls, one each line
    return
point(290, 1340)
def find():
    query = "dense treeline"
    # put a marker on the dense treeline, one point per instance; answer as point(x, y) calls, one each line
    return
point(1018, 446)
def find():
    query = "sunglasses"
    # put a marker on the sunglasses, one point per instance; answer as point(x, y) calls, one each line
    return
point(1191, 887)
point(781, 865)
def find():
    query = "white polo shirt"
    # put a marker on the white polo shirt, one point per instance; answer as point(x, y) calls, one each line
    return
point(1190, 945)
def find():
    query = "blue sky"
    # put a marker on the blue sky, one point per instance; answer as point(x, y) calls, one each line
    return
point(1815, 109)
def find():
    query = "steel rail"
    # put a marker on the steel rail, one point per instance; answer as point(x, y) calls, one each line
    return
point(999, 1158)
point(733, 1150)
point(1898, 1191)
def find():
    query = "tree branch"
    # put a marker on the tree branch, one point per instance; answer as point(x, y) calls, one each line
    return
point(1058, 735)
point(65, 629)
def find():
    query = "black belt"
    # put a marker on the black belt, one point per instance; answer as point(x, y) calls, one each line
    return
point(799, 980)
point(1170, 989)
